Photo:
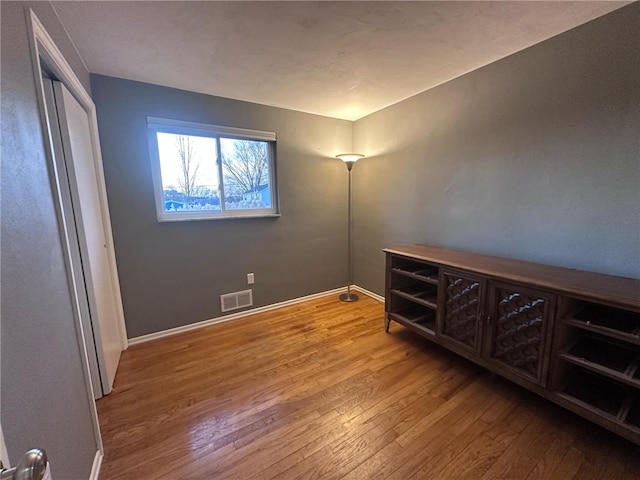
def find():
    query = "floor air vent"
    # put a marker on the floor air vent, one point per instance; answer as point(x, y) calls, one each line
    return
point(235, 300)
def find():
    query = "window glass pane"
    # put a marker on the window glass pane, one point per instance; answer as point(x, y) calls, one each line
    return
point(189, 173)
point(245, 173)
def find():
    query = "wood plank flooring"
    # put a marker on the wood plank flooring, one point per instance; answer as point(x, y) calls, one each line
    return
point(318, 390)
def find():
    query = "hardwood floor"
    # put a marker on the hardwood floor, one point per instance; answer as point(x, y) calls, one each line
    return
point(318, 390)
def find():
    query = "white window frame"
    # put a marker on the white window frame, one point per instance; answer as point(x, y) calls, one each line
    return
point(217, 132)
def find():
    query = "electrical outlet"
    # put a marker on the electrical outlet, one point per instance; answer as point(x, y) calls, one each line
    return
point(250, 279)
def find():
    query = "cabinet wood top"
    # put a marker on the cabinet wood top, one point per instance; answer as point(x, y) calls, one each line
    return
point(618, 291)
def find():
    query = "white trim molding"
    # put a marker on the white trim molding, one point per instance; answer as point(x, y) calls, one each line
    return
point(162, 124)
point(4, 456)
point(97, 463)
point(234, 316)
point(368, 293)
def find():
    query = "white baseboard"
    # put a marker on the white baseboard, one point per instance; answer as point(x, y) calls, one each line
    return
point(97, 463)
point(253, 311)
point(369, 293)
point(234, 316)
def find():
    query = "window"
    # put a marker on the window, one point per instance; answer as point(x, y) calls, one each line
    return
point(206, 171)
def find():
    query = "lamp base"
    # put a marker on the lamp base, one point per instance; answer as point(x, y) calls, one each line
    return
point(348, 297)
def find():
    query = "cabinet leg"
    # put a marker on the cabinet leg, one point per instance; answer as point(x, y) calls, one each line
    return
point(387, 321)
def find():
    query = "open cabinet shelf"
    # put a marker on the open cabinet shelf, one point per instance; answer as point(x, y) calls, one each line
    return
point(427, 297)
point(412, 294)
point(595, 392)
point(418, 272)
point(417, 317)
point(611, 359)
point(607, 321)
point(598, 362)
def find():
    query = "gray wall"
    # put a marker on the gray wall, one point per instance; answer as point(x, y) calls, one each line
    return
point(173, 273)
point(534, 157)
point(44, 399)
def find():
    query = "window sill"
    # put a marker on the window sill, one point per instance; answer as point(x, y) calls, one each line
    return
point(222, 217)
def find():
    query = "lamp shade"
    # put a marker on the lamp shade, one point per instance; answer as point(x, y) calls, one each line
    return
point(350, 157)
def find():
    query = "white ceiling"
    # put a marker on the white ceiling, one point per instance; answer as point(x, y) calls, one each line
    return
point(339, 59)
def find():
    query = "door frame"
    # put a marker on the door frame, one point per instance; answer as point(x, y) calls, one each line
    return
point(44, 51)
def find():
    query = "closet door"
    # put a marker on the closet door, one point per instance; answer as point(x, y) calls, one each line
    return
point(79, 162)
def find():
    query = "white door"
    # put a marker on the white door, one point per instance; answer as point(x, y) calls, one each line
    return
point(79, 160)
point(4, 456)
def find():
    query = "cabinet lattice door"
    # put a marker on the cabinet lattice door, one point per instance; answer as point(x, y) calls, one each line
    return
point(462, 313)
point(518, 329)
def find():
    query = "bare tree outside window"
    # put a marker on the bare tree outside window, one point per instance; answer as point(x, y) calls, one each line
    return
point(189, 172)
point(188, 167)
point(246, 166)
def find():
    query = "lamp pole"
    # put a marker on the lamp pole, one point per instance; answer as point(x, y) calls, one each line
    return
point(349, 160)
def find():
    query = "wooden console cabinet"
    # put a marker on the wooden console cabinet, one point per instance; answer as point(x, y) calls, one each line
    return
point(568, 335)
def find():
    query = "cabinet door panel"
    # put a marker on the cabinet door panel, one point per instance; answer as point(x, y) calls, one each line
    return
point(461, 306)
point(517, 337)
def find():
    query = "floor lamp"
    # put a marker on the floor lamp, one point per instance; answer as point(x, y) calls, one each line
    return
point(349, 160)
